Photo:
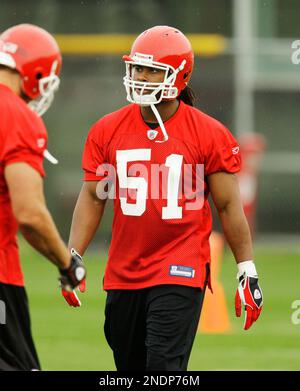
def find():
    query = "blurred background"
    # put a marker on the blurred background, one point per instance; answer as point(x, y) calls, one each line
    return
point(247, 76)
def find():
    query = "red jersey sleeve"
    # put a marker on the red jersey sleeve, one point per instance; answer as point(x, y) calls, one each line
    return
point(22, 145)
point(222, 152)
point(93, 155)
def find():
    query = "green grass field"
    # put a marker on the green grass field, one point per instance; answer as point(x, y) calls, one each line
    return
point(73, 338)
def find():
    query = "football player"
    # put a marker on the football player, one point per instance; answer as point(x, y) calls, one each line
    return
point(30, 62)
point(159, 258)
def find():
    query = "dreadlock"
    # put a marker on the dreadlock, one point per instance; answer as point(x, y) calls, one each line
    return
point(188, 96)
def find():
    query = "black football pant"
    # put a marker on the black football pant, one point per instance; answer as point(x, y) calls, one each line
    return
point(17, 350)
point(153, 329)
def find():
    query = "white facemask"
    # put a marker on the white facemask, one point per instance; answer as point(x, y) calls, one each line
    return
point(47, 86)
point(158, 91)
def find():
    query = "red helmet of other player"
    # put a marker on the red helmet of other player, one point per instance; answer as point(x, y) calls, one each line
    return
point(165, 48)
point(34, 53)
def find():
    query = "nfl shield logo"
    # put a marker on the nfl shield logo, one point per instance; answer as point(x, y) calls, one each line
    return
point(152, 134)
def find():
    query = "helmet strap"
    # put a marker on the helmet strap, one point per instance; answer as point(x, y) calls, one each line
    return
point(161, 124)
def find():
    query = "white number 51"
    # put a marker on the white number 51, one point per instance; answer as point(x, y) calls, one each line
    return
point(173, 162)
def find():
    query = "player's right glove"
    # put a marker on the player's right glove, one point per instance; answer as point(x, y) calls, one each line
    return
point(71, 278)
point(248, 293)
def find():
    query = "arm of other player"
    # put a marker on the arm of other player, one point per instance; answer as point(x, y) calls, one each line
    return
point(35, 222)
point(29, 207)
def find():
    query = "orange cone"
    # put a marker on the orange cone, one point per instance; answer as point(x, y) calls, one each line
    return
point(214, 317)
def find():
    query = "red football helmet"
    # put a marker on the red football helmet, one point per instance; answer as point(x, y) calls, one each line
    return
point(34, 53)
point(165, 48)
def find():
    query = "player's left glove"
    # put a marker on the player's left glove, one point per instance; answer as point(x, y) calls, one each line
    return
point(248, 293)
point(71, 278)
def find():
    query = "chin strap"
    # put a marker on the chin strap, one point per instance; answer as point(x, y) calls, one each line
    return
point(161, 124)
point(156, 113)
point(49, 157)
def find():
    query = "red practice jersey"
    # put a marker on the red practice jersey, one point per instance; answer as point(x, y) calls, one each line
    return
point(23, 138)
point(158, 238)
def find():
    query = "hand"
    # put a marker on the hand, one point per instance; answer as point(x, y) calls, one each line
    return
point(249, 294)
point(71, 278)
point(71, 297)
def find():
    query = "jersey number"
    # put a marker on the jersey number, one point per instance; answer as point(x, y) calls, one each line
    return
point(173, 162)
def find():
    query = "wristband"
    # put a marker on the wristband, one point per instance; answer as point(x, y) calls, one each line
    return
point(247, 267)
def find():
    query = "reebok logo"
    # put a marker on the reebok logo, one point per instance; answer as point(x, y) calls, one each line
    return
point(40, 142)
point(257, 294)
point(235, 150)
point(80, 272)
